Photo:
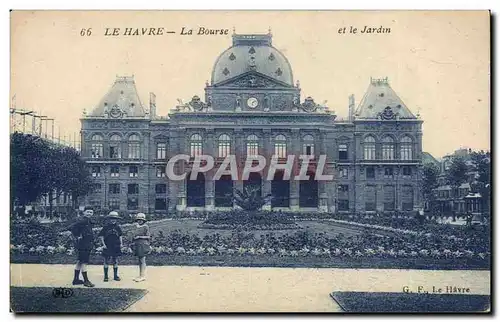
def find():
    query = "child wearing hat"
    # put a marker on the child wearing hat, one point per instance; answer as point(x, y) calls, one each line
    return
point(111, 239)
point(141, 237)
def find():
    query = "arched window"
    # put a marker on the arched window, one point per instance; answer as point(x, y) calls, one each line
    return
point(280, 146)
point(369, 148)
point(134, 147)
point(406, 148)
point(224, 146)
point(308, 145)
point(196, 145)
point(252, 145)
point(114, 146)
point(388, 148)
point(97, 148)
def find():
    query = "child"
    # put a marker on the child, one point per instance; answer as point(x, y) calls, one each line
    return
point(84, 242)
point(140, 236)
point(111, 239)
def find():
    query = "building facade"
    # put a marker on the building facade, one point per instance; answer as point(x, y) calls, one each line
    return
point(253, 105)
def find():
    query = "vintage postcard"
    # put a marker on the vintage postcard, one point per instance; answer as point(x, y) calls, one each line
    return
point(250, 161)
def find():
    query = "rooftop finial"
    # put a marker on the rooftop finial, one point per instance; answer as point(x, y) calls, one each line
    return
point(234, 30)
point(269, 30)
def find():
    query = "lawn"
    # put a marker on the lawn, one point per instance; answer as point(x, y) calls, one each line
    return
point(191, 226)
point(382, 302)
point(97, 300)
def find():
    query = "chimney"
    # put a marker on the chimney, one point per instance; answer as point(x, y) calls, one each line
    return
point(351, 107)
point(152, 105)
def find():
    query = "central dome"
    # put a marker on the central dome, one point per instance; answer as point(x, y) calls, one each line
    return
point(252, 52)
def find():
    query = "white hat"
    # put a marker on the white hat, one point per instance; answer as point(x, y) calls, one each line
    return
point(140, 216)
point(114, 215)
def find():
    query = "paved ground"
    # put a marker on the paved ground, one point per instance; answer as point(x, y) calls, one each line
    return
point(226, 289)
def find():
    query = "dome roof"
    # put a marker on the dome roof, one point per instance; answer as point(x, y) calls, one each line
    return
point(252, 52)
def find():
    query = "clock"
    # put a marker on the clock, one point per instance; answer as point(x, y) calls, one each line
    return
point(252, 102)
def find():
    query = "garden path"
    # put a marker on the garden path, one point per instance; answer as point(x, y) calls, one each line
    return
point(228, 289)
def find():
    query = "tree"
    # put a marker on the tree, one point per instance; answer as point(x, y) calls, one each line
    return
point(456, 175)
point(250, 198)
point(430, 174)
point(39, 167)
point(481, 163)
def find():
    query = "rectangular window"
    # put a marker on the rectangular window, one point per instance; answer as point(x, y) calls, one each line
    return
point(160, 204)
point(343, 188)
point(252, 149)
point(132, 203)
point(114, 188)
point(133, 171)
point(96, 150)
point(134, 150)
point(369, 151)
point(344, 173)
point(114, 151)
point(370, 173)
point(224, 149)
point(115, 171)
point(308, 149)
point(133, 189)
point(161, 171)
point(388, 172)
point(406, 172)
point(343, 152)
point(96, 171)
point(280, 150)
point(161, 151)
point(114, 204)
point(388, 152)
point(161, 188)
point(196, 149)
point(406, 151)
point(343, 205)
point(97, 188)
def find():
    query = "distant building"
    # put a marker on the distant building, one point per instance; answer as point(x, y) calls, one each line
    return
point(450, 200)
point(252, 105)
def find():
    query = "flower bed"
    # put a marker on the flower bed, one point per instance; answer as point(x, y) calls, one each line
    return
point(246, 220)
point(298, 244)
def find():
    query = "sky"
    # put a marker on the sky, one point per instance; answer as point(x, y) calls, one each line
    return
point(438, 62)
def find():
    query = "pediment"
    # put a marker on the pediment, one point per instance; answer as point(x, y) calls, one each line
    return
point(252, 80)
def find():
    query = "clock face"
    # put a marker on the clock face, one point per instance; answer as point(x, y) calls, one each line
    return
point(252, 102)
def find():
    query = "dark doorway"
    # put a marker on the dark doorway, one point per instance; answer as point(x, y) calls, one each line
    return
point(280, 190)
point(308, 192)
point(196, 191)
point(224, 192)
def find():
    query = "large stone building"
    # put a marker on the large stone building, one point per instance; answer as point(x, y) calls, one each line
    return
point(252, 106)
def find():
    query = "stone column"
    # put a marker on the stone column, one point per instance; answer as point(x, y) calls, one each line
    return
point(267, 152)
point(295, 184)
point(210, 149)
point(182, 147)
point(322, 185)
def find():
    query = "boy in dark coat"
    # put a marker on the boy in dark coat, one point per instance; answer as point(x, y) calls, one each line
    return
point(111, 239)
point(84, 242)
